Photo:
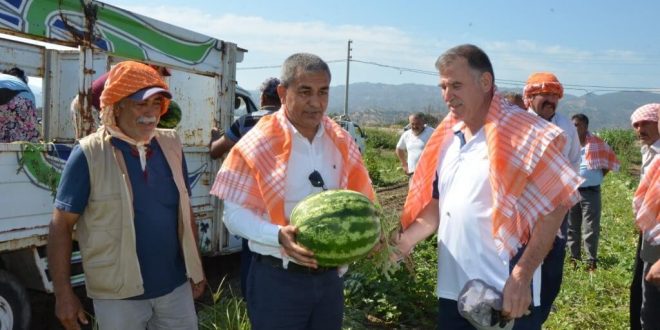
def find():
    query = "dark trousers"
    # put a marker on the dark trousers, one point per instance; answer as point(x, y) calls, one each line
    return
point(552, 272)
point(246, 259)
point(636, 289)
point(644, 297)
point(650, 311)
point(449, 318)
point(584, 224)
point(288, 300)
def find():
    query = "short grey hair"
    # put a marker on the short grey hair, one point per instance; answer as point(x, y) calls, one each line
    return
point(304, 62)
point(418, 115)
point(477, 59)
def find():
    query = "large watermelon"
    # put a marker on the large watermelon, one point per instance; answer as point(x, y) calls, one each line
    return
point(339, 226)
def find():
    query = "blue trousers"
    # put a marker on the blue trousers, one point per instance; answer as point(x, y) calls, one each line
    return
point(288, 300)
point(449, 318)
point(246, 259)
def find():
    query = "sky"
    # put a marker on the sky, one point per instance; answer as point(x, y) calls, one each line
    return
point(592, 46)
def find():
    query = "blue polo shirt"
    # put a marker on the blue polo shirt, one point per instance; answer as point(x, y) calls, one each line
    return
point(244, 123)
point(156, 207)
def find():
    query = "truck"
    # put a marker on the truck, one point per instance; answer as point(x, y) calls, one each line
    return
point(67, 44)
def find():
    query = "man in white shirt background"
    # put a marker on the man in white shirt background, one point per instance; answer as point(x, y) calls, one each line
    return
point(412, 142)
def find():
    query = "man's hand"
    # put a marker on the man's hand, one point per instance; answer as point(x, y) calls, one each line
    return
point(295, 251)
point(516, 296)
point(654, 274)
point(403, 246)
point(69, 310)
point(404, 166)
point(198, 289)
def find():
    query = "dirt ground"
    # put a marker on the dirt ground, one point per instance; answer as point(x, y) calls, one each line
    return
point(216, 268)
point(393, 197)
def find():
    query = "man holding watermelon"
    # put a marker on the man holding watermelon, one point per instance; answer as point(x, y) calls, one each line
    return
point(289, 155)
point(492, 178)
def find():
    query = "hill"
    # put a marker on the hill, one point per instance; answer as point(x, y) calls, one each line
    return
point(383, 104)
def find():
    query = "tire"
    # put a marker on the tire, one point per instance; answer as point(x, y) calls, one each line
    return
point(14, 303)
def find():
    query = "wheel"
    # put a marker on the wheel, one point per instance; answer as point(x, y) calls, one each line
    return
point(14, 304)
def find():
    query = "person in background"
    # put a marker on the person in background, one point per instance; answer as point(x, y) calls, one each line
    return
point(645, 286)
point(125, 190)
point(269, 102)
point(475, 189)
point(412, 142)
point(515, 99)
point(18, 112)
point(286, 157)
point(584, 218)
point(541, 95)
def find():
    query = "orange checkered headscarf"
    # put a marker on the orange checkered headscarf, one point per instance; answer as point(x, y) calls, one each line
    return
point(124, 79)
point(127, 78)
point(541, 82)
point(647, 112)
point(528, 174)
point(254, 173)
point(646, 203)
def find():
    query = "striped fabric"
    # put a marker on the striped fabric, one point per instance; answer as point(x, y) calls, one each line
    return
point(599, 155)
point(529, 175)
point(647, 112)
point(646, 203)
point(254, 173)
point(128, 77)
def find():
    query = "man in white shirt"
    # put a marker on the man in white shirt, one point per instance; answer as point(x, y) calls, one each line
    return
point(412, 142)
point(287, 156)
point(541, 95)
point(495, 206)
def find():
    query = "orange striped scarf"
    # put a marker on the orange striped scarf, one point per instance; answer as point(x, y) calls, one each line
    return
point(529, 175)
point(254, 173)
point(599, 155)
point(646, 203)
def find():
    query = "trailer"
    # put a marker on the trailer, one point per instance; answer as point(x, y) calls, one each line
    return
point(67, 44)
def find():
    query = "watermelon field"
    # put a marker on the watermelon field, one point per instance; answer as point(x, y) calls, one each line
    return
point(405, 298)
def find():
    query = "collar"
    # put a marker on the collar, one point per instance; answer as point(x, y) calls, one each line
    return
point(294, 131)
point(654, 148)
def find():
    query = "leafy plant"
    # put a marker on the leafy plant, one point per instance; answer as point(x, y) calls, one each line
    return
point(228, 311)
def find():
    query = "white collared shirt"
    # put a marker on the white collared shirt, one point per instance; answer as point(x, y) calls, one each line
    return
point(572, 147)
point(466, 248)
point(414, 145)
point(320, 155)
point(648, 152)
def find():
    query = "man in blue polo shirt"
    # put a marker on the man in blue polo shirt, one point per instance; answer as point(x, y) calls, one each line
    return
point(124, 188)
point(269, 102)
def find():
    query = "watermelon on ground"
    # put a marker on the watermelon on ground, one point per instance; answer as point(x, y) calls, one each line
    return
point(339, 226)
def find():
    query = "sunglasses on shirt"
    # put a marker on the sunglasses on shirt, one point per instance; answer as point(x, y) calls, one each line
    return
point(317, 180)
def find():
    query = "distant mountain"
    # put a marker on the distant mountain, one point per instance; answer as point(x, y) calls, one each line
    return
point(383, 104)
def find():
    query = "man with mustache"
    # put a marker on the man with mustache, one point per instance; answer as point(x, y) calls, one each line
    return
point(495, 205)
point(645, 287)
point(541, 95)
point(125, 190)
point(289, 155)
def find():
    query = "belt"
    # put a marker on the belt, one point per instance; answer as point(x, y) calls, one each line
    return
point(590, 188)
point(291, 267)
